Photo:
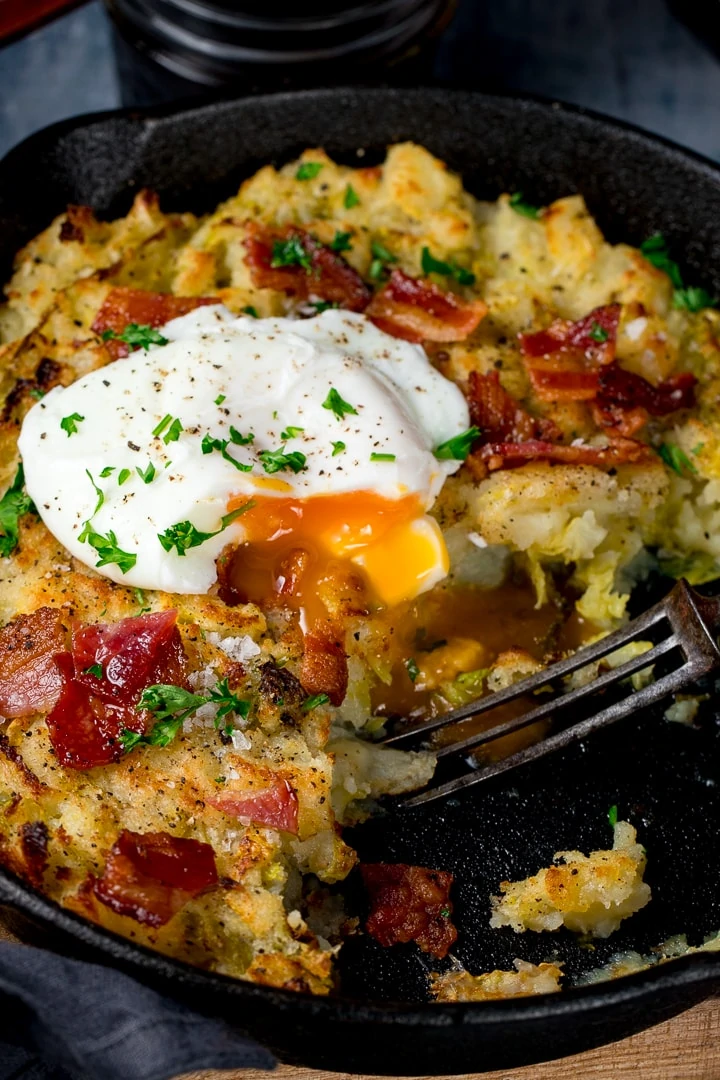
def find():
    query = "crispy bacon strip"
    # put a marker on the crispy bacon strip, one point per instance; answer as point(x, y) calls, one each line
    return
point(29, 679)
point(577, 339)
point(91, 712)
point(619, 451)
point(329, 277)
point(34, 838)
point(276, 807)
point(499, 416)
point(124, 305)
point(324, 668)
point(409, 903)
point(419, 311)
point(151, 876)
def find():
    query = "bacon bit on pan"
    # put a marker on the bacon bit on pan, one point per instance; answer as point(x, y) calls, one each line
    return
point(34, 844)
point(29, 679)
point(419, 311)
point(499, 416)
point(410, 903)
point(324, 668)
point(302, 266)
point(275, 807)
point(151, 876)
point(123, 306)
point(102, 680)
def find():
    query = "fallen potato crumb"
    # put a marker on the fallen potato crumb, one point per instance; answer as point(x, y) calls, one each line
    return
point(589, 894)
point(527, 979)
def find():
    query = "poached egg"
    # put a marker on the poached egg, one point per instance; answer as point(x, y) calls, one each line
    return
point(315, 433)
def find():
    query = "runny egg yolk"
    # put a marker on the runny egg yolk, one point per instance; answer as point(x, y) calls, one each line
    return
point(290, 544)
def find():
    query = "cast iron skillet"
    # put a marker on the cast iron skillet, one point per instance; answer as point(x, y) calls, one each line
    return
point(662, 776)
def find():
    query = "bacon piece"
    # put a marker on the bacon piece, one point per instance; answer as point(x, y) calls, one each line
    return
point(124, 305)
point(419, 311)
point(29, 679)
point(34, 838)
point(276, 807)
point(499, 416)
point(91, 713)
point(509, 455)
point(133, 654)
point(575, 339)
point(324, 667)
point(330, 277)
point(410, 903)
point(151, 876)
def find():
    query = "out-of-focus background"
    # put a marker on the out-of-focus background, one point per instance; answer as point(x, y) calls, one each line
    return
point(633, 59)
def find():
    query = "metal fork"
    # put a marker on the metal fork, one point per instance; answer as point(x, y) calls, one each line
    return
point(683, 629)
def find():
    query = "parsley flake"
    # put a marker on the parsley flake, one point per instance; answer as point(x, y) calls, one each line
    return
point(313, 702)
point(209, 444)
point(338, 448)
point(291, 432)
point(137, 335)
point(335, 404)
point(69, 423)
point(104, 473)
point(655, 251)
point(309, 170)
point(598, 333)
point(171, 705)
point(124, 475)
point(341, 242)
point(148, 475)
point(184, 535)
point(94, 669)
point(37, 393)
point(98, 492)
point(323, 305)
point(457, 448)
point(274, 461)
point(526, 209)
point(351, 198)
point(445, 912)
point(693, 298)
point(108, 549)
point(14, 503)
point(219, 399)
point(431, 265)
point(412, 669)
point(613, 816)
point(676, 458)
point(251, 311)
point(291, 252)
point(381, 257)
point(382, 457)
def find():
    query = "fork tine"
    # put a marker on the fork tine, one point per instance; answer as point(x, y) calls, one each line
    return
point(581, 658)
point(562, 702)
point(655, 691)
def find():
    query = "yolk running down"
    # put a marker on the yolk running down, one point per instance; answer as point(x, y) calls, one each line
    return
point(292, 544)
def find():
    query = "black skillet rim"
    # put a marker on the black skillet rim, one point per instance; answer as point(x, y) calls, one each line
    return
point(696, 970)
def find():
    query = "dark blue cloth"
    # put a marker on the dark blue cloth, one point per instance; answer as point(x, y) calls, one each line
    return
point(64, 1019)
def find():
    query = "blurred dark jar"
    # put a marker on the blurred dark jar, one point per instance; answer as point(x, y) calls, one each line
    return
point(167, 49)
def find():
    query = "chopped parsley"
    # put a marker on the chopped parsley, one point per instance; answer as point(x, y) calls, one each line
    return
point(598, 333)
point(323, 305)
point(341, 242)
point(184, 535)
point(148, 475)
point(676, 458)
point(252, 312)
point(412, 669)
point(70, 423)
point(291, 252)
point(445, 912)
point(698, 449)
point(107, 548)
point(337, 405)
point(351, 198)
point(159, 428)
point(14, 503)
point(338, 448)
point(124, 475)
point(274, 461)
point(613, 816)
point(104, 473)
point(37, 393)
point(291, 432)
point(98, 492)
point(219, 399)
point(137, 335)
point(382, 457)
point(431, 265)
point(313, 702)
point(171, 705)
point(381, 258)
point(94, 669)
point(520, 206)
point(309, 170)
point(238, 439)
point(140, 601)
point(690, 298)
point(209, 444)
point(457, 448)
point(174, 432)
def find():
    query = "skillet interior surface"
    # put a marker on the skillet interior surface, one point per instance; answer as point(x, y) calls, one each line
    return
point(663, 777)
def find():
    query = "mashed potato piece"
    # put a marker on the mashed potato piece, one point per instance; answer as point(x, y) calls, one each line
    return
point(589, 894)
point(526, 980)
